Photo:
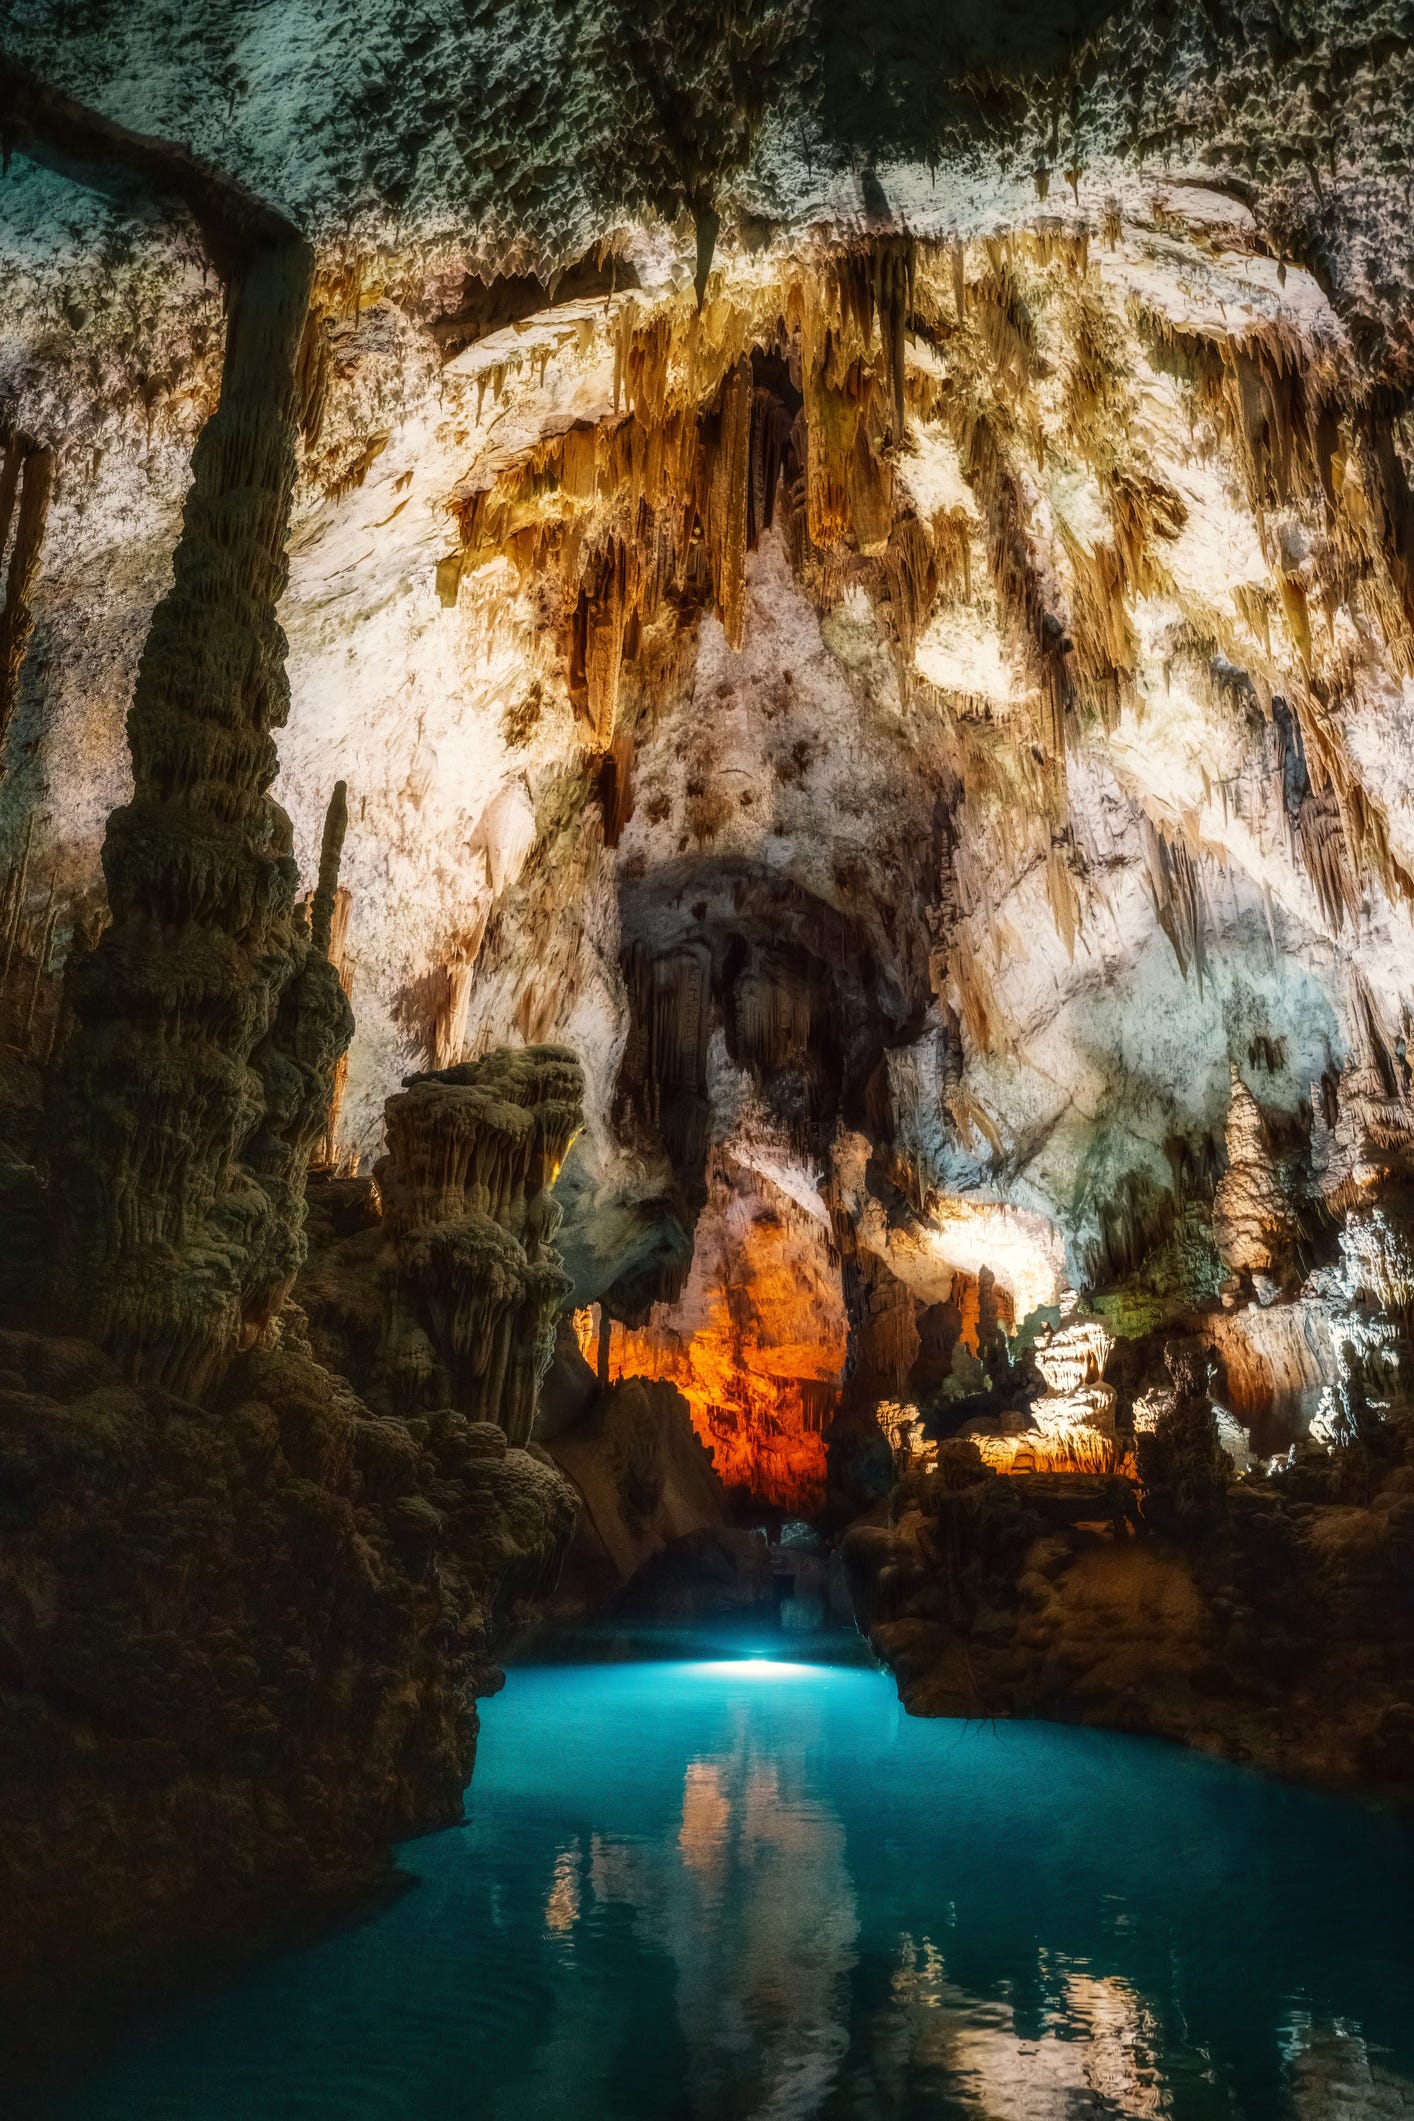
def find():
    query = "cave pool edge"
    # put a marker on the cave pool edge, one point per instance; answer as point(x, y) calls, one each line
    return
point(710, 1873)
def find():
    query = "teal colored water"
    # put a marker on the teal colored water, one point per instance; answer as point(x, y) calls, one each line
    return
point(726, 1889)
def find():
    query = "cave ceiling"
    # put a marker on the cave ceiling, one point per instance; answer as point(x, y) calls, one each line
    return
point(872, 599)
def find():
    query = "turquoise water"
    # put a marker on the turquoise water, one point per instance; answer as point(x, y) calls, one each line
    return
point(727, 1889)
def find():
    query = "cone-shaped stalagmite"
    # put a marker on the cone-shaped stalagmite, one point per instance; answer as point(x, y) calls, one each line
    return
point(206, 1027)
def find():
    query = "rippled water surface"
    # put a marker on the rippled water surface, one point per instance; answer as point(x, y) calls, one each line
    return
point(724, 1889)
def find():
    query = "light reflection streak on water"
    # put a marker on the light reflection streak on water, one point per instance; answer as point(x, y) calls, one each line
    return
point(751, 1890)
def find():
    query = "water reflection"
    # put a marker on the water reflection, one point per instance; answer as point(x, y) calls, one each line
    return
point(703, 1892)
point(751, 1899)
point(1097, 2051)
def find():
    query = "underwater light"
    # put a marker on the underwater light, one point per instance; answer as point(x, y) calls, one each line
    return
point(757, 1665)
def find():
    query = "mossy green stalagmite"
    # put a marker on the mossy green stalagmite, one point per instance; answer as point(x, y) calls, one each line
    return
point(207, 1026)
point(473, 1282)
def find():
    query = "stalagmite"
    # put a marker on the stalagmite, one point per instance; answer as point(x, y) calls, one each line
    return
point(205, 1031)
point(321, 918)
point(1253, 1226)
point(473, 1285)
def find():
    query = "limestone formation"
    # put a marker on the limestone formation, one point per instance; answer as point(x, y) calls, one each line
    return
point(1071, 1425)
point(473, 1283)
point(1363, 1130)
point(839, 611)
point(1253, 1224)
point(206, 1030)
point(26, 479)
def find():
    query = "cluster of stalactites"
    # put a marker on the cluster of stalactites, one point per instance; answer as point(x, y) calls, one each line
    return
point(1362, 1134)
point(647, 516)
point(1328, 495)
point(660, 503)
point(472, 1281)
point(663, 1073)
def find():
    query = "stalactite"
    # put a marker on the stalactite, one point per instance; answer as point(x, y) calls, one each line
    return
point(1018, 591)
point(36, 481)
point(473, 1284)
point(1106, 651)
point(1177, 895)
point(663, 1074)
point(1325, 856)
point(893, 300)
point(770, 443)
point(1006, 325)
point(728, 501)
point(771, 1014)
point(1364, 1146)
point(909, 575)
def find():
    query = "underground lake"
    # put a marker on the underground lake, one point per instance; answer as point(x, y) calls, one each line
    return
point(729, 1885)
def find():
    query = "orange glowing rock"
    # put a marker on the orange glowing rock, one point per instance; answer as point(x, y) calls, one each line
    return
point(756, 1344)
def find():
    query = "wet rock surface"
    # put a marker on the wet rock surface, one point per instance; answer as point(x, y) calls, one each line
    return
point(1269, 1620)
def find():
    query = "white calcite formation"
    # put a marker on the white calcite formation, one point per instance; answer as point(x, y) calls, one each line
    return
point(937, 660)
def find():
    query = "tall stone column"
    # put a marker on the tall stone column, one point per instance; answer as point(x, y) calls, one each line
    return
point(206, 1028)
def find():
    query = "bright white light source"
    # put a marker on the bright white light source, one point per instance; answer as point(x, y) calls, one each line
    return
point(754, 1667)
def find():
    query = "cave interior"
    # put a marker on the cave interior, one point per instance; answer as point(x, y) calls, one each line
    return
point(706, 895)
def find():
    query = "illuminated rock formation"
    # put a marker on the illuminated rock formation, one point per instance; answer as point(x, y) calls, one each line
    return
point(1363, 1127)
point(206, 1029)
point(474, 1285)
point(756, 1344)
point(1071, 1426)
point(1252, 1220)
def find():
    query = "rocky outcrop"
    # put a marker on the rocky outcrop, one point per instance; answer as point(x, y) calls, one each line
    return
point(241, 1649)
point(644, 1479)
point(1268, 1619)
point(473, 1282)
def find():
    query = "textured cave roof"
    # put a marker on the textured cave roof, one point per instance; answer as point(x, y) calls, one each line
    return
point(518, 133)
point(360, 124)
